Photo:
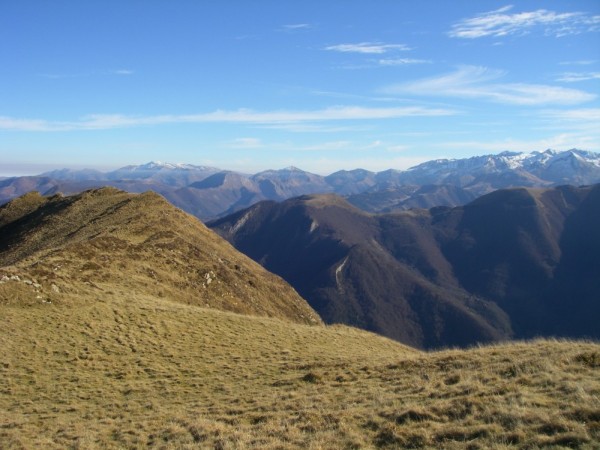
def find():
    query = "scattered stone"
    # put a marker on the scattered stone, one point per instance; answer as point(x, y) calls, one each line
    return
point(54, 288)
point(209, 277)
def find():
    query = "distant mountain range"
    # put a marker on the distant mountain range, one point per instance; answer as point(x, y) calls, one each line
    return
point(515, 263)
point(209, 192)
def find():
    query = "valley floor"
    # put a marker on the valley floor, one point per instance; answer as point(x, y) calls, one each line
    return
point(139, 372)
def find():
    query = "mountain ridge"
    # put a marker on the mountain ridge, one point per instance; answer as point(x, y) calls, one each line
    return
point(109, 240)
point(442, 182)
point(491, 270)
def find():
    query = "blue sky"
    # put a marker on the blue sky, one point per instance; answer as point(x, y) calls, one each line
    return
point(321, 85)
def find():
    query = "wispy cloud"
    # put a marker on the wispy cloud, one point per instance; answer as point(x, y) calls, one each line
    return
point(500, 23)
point(572, 77)
point(58, 76)
point(481, 82)
point(581, 123)
point(577, 115)
point(367, 48)
point(337, 113)
point(10, 123)
point(296, 26)
point(582, 62)
point(305, 127)
point(592, 114)
point(402, 61)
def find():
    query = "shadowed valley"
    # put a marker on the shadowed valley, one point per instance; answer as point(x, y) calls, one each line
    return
point(515, 263)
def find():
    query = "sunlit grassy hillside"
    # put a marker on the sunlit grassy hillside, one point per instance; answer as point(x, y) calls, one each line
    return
point(114, 371)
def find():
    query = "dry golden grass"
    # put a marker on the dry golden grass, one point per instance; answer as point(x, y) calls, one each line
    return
point(118, 371)
point(112, 337)
point(106, 240)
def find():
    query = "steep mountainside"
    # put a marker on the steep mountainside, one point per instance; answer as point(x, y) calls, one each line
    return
point(346, 182)
point(226, 192)
point(411, 196)
point(514, 263)
point(289, 182)
point(221, 193)
point(114, 243)
point(16, 186)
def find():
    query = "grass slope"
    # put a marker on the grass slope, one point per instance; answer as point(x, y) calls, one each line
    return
point(139, 371)
point(116, 243)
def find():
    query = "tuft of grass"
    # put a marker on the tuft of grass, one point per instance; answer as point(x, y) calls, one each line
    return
point(590, 359)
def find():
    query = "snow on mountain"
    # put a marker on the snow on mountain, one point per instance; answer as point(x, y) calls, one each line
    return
point(158, 165)
point(549, 167)
point(176, 175)
point(449, 180)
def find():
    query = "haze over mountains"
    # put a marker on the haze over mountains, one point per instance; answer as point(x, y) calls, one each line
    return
point(209, 192)
point(515, 263)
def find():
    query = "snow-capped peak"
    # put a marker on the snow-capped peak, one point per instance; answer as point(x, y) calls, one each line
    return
point(153, 166)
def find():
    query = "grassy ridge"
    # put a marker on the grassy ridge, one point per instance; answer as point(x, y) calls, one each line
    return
point(115, 371)
point(108, 240)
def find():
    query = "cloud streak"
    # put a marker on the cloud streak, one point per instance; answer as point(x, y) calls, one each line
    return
point(581, 62)
point(575, 115)
point(59, 76)
point(241, 116)
point(402, 61)
point(296, 26)
point(481, 83)
point(371, 48)
point(500, 23)
point(573, 77)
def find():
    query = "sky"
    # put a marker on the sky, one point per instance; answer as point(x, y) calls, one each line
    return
point(250, 85)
